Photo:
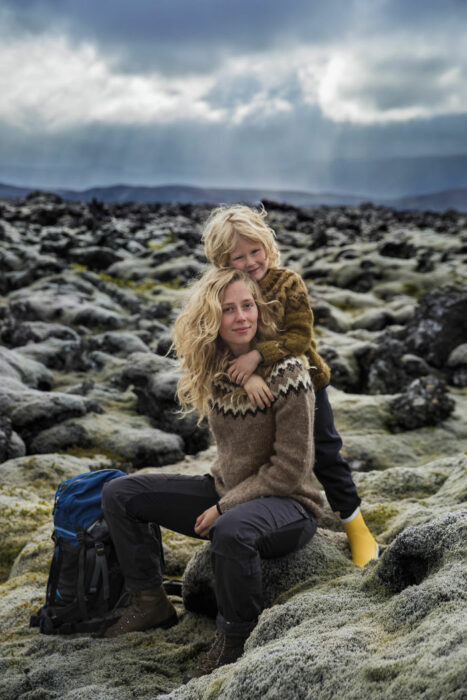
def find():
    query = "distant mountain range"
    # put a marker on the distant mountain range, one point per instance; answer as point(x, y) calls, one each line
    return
point(436, 201)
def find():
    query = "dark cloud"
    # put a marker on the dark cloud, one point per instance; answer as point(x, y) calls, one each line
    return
point(187, 35)
point(183, 35)
point(405, 55)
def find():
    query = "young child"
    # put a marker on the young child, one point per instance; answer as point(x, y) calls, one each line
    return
point(239, 237)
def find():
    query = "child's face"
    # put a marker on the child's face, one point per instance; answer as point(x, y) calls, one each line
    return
point(250, 257)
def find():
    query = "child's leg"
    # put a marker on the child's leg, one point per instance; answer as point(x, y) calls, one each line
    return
point(334, 474)
point(330, 467)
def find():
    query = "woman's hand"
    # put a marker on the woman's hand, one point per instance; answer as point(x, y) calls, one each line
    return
point(205, 521)
point(243, 367)
point(258, 391)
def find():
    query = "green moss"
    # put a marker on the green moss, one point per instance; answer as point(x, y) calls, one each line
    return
point(176, 283)
point(91, 452)
point(145, 285)
point(10, 548)
point(169, 238)
point(345, 306)
point(8, 556)
point(215, 689)
point(413, 290)
point(178, 551)
point(330, 575)
point(383, 671)
point(378, 516)
point(140, 286)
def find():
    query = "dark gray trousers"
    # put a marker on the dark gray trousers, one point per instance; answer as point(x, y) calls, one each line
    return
point(265, 527)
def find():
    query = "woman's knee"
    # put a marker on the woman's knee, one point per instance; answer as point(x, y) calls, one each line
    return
point(230, 536)
point(111, 494)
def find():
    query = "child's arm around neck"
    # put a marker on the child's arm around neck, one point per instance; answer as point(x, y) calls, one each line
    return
point(295, 317)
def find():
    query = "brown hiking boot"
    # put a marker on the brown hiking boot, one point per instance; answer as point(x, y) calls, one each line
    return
point(224, 650)
point(148, 609)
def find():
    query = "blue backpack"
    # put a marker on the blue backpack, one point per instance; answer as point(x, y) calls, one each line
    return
point(85, 582)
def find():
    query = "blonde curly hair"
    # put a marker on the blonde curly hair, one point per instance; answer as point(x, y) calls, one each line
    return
point(202, 354)
point(226, 224)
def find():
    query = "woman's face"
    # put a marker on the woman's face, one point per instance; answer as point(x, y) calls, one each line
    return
point(239, 318)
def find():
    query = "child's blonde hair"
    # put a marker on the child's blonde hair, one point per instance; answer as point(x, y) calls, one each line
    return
point(200, 350)
point(224, 226)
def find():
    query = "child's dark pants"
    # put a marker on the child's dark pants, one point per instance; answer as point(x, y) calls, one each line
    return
point(330, 468)
point(264, 527)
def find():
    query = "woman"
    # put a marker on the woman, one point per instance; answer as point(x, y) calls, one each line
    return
point(259, 500)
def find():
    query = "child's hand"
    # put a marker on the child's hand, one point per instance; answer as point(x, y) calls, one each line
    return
point(243, 367)
point(258, 391)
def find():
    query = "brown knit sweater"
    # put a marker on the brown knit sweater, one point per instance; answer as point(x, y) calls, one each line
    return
point(267, 452)
point(294, 319)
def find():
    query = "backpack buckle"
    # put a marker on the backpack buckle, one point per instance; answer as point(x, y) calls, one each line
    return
point(100, 549)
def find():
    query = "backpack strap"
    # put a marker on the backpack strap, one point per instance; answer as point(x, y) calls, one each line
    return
point(100, 569)
point(54, 573)
point(81, 593)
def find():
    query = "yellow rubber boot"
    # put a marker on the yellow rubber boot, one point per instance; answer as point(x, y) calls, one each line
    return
point(362, 543)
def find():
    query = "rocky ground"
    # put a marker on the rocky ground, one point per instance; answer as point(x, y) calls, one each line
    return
point(90, 292)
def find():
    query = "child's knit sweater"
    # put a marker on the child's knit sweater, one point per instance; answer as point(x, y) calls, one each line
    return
point(265, 452)
point(294, 319)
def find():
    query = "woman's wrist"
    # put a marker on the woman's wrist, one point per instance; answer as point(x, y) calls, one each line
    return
point(218, 509)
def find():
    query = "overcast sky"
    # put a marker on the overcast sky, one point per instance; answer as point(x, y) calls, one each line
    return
point(230, 93)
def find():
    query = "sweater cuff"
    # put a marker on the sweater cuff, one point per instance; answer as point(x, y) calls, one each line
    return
point(271, 352)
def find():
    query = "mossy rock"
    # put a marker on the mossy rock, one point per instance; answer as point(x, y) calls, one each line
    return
point(27, 491)
point(355, 637)
point(178, 550)
point(378, 516)
point(21, 512)
point(36, 555)
point(319, 560)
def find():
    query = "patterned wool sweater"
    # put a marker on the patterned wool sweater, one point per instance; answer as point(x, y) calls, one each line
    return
point(294, 319)
point(267, 452)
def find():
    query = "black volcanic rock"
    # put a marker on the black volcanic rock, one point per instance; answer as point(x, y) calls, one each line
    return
point(439, 325)
point(117, 343)
point(96, 257)
point(425, 262)
point(33, 411)
point(56, 353)
point(15, 333)
point(42, 197)
point(154, 379)
point(5, 437)
point(423, 346)
point(388, 367)
point(417, 551)
point(397, 249)
point(181, 272)
point(425, 402)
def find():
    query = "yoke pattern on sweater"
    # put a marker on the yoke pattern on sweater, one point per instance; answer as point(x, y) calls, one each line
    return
point(288, 375)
